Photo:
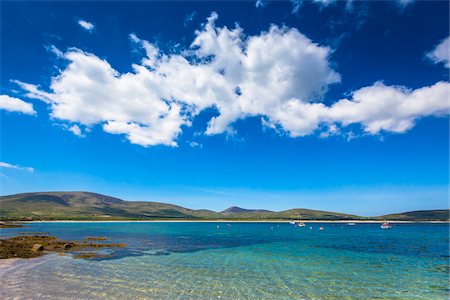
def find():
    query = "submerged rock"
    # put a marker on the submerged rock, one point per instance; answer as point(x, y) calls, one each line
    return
point(29, 246)
point(10, 225)
point(91, 255)
point(94, 238)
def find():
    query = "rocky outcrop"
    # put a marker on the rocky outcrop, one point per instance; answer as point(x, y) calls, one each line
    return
point(29, 246)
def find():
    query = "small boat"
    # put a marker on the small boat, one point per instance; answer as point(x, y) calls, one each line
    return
point(300, 224)
point(351, 224)
point(321, 228)
point(386, 225)
point(292, 222)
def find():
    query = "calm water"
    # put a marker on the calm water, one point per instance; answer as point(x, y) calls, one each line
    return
point(239, 261)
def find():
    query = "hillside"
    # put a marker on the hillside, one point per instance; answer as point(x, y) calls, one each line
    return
point(420, 215)
point(92, 206)
point(86, 205)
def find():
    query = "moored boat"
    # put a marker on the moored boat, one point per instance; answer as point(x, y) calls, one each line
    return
point(386, 225)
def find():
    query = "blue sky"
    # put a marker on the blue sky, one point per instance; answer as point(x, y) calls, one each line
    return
point(333, 105)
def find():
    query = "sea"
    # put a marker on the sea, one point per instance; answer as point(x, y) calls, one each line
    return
point(213, 260)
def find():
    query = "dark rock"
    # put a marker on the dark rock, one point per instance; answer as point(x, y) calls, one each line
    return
point(68, 245)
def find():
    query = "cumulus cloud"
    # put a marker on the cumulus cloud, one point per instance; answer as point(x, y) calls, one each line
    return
point(86, 25)
point(16, 105)
point(441, 53)
point(391, 108)
point(279, 75)
point(163, 93)
point(11, 166)
point(376, 108)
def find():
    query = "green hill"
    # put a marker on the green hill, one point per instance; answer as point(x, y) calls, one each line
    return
point(420, 215)
point(92, 206)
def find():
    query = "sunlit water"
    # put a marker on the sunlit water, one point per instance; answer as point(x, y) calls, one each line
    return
point(239, 261)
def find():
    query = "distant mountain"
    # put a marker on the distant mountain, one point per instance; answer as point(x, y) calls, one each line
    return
point(92, 206)
point(238, 210)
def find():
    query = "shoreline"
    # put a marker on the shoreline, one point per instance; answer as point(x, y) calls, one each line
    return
point(238, 221)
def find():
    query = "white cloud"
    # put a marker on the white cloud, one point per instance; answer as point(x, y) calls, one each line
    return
point(86, 25)
point(16, 105)
point(391, 108)
point(279, 75)
point(441, 53)
point(11, 166)
point(376, 108)
point(75, 129)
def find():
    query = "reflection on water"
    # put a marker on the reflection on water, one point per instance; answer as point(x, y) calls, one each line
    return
point(240, 261)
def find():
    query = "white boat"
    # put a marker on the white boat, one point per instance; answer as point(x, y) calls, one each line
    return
point(386, 225)
point(292, 222)
point(301, 224)
point(351, 224)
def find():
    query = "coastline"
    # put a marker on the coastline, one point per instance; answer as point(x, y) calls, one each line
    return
point(238, 221)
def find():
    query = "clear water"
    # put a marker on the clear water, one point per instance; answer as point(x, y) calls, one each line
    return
point(239, 261)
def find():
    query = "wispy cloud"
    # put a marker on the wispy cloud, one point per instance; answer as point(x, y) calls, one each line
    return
point(53, 49)
point(195, 144)
point(189, 18)
point(261, 3)
point(17, 167)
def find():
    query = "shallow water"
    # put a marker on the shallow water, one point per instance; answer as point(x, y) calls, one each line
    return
point(239, 261)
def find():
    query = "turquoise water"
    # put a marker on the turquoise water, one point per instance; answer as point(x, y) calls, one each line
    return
point(239, 261)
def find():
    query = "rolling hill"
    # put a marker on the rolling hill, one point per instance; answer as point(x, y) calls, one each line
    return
point(420, 215)
point(92, 206)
